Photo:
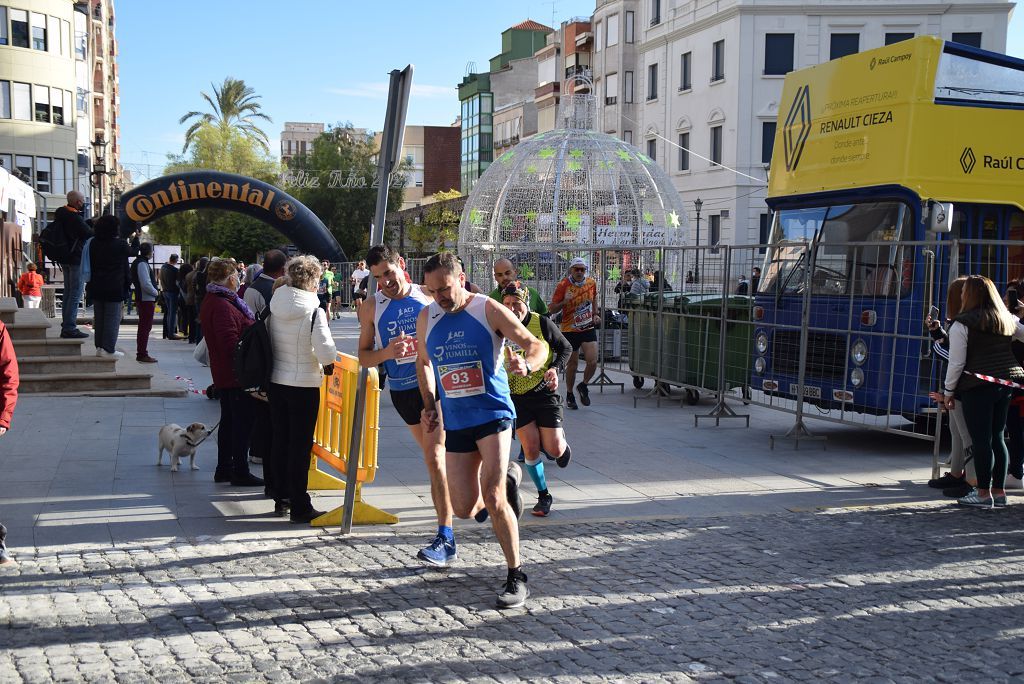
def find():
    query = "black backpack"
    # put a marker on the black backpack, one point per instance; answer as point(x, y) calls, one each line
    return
point(254, 355)
point(54, 241)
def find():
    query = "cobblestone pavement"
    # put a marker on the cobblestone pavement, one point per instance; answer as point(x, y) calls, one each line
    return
point(899, 593)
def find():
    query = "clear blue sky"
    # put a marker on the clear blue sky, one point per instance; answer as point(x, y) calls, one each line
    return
point(312, 60)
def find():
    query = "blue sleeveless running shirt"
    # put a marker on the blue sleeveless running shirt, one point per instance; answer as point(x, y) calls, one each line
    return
point(391, 317)
point(468, 366)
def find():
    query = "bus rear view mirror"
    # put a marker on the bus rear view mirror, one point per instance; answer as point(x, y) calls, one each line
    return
point(940, 217)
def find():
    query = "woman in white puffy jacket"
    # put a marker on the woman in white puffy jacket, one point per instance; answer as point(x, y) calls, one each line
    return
point(302, 345)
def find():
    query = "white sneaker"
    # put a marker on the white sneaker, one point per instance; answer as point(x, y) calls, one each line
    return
point(1013, 482)
point(256, 460)
point(103, 353)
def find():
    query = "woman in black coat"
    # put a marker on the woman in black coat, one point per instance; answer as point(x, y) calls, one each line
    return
point(108, 259)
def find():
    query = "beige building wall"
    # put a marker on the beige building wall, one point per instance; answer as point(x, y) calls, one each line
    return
point(37, 95)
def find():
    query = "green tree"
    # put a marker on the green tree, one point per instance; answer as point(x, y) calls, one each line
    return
point(215, 232)
point(440, 224)
point(341, 169)
point(234, 106)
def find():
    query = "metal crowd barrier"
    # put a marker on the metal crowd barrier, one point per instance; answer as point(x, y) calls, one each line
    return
point(332, 437)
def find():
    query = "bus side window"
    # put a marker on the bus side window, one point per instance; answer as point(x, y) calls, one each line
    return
point(1015, 253)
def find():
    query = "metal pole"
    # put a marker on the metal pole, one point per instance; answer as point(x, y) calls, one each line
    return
point(391, 147)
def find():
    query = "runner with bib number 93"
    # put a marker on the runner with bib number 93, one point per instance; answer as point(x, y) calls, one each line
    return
point(461, 347)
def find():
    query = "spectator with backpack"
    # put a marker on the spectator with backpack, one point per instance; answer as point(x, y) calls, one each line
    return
point(224, 317)
point(302, 344)
point(62, 242)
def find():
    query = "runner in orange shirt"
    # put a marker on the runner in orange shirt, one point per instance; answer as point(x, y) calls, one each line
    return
point(576, 298)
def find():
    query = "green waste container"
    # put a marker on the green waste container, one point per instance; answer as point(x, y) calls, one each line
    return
point(704, 332)
point(644, 333)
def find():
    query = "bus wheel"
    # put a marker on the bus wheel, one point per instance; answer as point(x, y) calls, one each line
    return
point(692, 397)
point(638, 381)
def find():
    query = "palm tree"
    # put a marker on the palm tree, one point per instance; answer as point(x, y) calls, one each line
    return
point(234, 105)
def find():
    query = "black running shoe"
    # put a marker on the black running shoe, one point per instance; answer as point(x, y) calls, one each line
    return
point(543, 505)
point(584, 393)
point(481, 515)
point(512, 479)
point(570, 401)
point(947, 481)
point(515, 592)
point(958, 491)
point(564, 459)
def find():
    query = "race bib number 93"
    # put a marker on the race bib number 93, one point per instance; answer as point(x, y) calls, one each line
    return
point(462, 379)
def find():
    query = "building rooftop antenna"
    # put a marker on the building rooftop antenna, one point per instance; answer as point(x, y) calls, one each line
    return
point(470, 68)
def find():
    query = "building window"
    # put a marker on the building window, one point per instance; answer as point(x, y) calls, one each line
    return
point(652, 82)
point(629, 87)
point(81, 37)
point(611, 89)
point(19, 28)
point(630, 27)
point(778, 54)
point(627, 137)
point(43, 174)
point(59, 186)
point(4, 39)
point(972, 39)
point(39, 33)
point(767, 141)
point(762, 231)
point(891, 38)
point(718, 61)
point(684, 151)
point(24, 165)
point(5, 99)
point(21, 96)
point(715, 230)
point(597, 36)
point(57, 102)
point(655, 12)
point(53, 35)
point(65, 38)
point(613, 30)
point(716, 145)
point(69, 174)
point(652, 149)
point(844, 44)
point(684, 71)
point(6, 162)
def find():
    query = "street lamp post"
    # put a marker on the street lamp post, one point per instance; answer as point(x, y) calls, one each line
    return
point(697, 204)
point(99, 167)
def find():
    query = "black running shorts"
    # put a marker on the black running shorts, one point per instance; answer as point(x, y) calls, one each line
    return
point(464, 441)
point(409, 404)
point(576, 339)
point(542, 408)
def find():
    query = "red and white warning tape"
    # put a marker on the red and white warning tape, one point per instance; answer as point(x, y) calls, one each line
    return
point(190, 386)
point(998, 381)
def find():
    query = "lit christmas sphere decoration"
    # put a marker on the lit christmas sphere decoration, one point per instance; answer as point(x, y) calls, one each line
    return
point(568, 191)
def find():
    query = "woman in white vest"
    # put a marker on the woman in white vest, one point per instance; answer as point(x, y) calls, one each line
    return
point(302, 344)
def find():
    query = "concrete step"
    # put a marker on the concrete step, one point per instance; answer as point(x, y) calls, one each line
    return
point(51, 346)
point(83, 382)
point(9, 316)
point(45, 365)
point(28, 331)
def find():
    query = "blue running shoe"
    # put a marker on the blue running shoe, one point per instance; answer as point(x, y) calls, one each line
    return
point(440, 553)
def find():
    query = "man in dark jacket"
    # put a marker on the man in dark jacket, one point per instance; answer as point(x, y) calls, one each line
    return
point(169, 288)
point(77, 232)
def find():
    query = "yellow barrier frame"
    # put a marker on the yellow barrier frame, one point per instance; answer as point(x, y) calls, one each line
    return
point(333, 434)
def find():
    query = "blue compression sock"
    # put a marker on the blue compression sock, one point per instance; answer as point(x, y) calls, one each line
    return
point(446, 531)
point(536, 470)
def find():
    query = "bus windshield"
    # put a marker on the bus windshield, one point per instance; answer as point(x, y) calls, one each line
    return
point(840, 267)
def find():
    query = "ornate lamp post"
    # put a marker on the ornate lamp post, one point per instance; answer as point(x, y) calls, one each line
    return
point(99, 168)
point(697, 204)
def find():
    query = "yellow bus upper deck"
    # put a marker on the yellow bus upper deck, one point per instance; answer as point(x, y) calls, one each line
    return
point(940, 119)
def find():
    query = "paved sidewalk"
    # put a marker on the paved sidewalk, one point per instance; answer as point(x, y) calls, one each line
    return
point(672, 553)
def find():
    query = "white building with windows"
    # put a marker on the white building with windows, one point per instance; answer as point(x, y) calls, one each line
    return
point(707, 75)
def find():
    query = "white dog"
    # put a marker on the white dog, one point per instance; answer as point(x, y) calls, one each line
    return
point(180, 442)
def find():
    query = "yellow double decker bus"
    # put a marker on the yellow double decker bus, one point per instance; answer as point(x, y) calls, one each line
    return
point(919, 141)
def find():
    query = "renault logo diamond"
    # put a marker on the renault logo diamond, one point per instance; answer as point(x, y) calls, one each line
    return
point(797, 128)
point(967, 160)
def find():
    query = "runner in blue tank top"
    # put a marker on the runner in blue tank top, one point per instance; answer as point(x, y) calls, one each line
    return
point(387, 334)
point(460, 354)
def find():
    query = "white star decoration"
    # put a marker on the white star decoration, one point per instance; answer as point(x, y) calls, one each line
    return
point(673, 219)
